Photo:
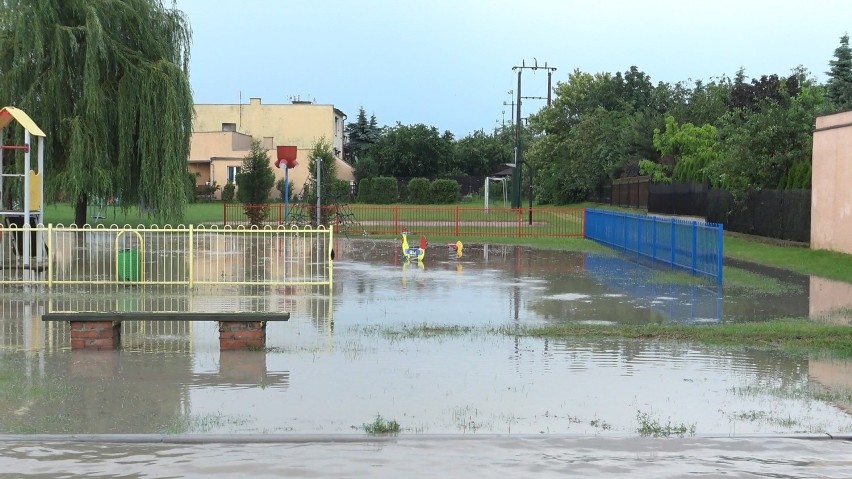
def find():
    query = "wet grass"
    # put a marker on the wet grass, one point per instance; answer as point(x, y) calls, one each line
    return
point(799, 336)
point(204, 423)
point(791, 335)
point(835, 395)
point(763, 417)
point(736, 280)
point(419, 331)
point(827, 264)
point(650, 426)
point(380, 426)
point(740, 280)
point(600, 424)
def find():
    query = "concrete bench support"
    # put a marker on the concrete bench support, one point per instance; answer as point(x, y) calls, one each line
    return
point(102, 330)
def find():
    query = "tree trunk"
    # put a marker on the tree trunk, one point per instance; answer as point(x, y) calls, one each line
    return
point(80, 210)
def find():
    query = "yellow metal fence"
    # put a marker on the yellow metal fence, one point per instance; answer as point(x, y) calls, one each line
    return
point(182, 255)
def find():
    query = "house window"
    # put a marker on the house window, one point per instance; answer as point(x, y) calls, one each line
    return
point(267, 142)
point(336, 125)
point(233, 171)
point(229, 127)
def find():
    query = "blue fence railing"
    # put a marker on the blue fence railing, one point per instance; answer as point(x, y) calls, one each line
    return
point(690, 245)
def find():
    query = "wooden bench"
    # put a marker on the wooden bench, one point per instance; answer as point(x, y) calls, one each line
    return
point(101, 330)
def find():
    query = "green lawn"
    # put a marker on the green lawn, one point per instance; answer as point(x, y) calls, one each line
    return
point(196, 213)
point(827, 264)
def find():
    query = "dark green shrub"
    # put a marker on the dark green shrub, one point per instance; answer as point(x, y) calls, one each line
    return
point(228, 192)
point(445, 191)
point(364, 192)
point(339, 192)
point(419, 191)
point(279, 185)
point(385, 190)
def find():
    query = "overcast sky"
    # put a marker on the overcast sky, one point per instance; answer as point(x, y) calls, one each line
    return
point(448, 63)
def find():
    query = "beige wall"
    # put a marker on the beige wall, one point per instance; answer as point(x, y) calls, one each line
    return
point(201, 172)
point(299, 125)
point(205, 145)
point(210, 153)
point(831, 195)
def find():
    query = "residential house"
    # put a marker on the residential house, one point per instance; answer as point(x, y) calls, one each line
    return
point(222, 136)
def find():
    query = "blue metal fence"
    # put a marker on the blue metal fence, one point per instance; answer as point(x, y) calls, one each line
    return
point(690, 245)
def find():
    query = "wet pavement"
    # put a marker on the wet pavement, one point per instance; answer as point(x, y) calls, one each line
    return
point(424, 347)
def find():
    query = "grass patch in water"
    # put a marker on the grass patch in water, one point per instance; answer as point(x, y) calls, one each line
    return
point(203, 423)
point(381, 426)
point(762, 417)
point(679, 277)
point(736, 279)
point(793, 335)
point(422, 330)
point(800, 336)
point(651, 427)
point(754, 283)
point(835, 395)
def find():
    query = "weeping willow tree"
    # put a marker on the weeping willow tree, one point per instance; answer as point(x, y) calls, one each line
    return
point(107, 80)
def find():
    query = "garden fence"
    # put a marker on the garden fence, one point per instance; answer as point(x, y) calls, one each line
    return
point(461, 221)
point(183, 255)
point(694, 246)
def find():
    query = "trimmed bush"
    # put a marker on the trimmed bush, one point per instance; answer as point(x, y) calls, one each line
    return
point(385, 190)
point(419, 191)
point(445, 191)
point(228, 192)
point(364, 191)
point(339, 192)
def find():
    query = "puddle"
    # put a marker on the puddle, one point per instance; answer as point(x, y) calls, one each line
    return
point(344, 357)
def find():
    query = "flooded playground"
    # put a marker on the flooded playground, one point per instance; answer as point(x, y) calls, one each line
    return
point(429, 346)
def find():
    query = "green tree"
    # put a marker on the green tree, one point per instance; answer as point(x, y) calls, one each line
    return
point(360, 136)
point(366, 168)
point(570, 166)
point(254, 181)
point(321, 152)
point(692, 148)
point(759, 148)
point(840, 76)
point(597, 127)
point(479, 154)
point(413, 151)
point(107, 81)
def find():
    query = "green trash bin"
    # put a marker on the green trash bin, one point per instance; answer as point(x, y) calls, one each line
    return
point(128, 265)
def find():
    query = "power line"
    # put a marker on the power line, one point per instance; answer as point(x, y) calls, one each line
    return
point(516, 175)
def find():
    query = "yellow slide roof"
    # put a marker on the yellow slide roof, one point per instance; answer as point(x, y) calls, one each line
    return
point(9, 113)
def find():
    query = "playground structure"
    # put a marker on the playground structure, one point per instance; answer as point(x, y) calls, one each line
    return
point(22, 192)
point(416, 253)
point(456, 249)
point(487, 188)
point(334, 214)
point(179, 256)
point(287, 157)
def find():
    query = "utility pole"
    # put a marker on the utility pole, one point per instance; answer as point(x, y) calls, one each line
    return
point(516, 174)
point(512, 105)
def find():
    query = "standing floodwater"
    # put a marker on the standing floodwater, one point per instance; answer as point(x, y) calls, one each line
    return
point(431, 348)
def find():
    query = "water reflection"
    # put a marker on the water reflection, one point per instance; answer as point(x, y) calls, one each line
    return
point(830, 301)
